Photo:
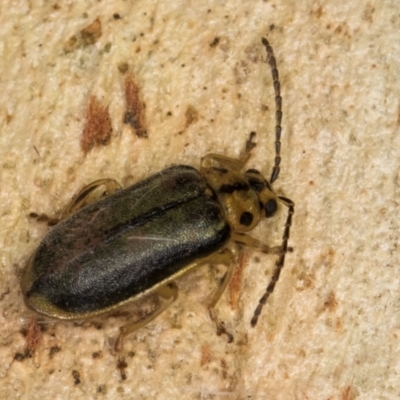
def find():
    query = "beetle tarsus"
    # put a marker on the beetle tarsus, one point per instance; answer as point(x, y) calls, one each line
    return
point(122, 365)
point(221, 330)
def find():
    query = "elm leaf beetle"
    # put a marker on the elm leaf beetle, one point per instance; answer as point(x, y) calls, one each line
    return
point(137, 241)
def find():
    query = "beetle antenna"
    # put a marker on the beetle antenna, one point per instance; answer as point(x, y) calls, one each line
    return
point(280, 262)
point(278, 109)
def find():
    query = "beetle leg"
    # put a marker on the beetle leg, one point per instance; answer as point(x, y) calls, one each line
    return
point(169, 292)
point(81, 198)
point(225, 257)
point(243, 239)
point(250, 144)
point(237, 164)
point(218, 160)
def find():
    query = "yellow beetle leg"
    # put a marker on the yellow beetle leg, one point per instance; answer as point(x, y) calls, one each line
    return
point(81, 198)
point(243, 239)
point(168, 292)
point(218, 160)
point(227, 258)
point(237, 164)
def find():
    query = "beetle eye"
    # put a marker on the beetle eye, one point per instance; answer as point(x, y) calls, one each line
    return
point(270, 208)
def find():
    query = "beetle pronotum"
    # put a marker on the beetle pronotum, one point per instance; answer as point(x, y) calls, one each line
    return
point(138, 240)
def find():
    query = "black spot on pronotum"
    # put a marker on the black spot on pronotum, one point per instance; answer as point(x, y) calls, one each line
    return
point(271, 208)
point(246, 218)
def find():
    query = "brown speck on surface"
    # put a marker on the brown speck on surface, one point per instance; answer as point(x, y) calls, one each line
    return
point(54, 350)
point(305, 281)
point(319, 12)
point(236, 281)
point(215, 42)
point(37, 151)
point(33, 336)
point(102, 389)
point(77, 377)
point(224, 366)
point(135, 107)
point(338, 325)
point(98, 129)
point(21, 356)
point(123, 67)
point(92, 32)
point(327, 257)
point(205, 355)
point(97, 354)
point(330, 302)
point(191, 115)
point(348, 393)
point(86, 37)
point(368, 13)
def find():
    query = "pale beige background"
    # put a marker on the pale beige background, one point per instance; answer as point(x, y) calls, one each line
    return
point(332, 328)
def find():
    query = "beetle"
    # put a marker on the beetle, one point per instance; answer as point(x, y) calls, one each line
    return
point(137, 241)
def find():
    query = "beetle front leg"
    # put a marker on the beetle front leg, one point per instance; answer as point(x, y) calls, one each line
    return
point(169, 292)
point(236, 164)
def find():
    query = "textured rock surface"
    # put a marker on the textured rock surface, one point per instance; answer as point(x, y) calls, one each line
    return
point(331, 329)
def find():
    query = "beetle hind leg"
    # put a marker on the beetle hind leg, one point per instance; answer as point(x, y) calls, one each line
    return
point(169, 293)
point(79, 200)
point(82, 197)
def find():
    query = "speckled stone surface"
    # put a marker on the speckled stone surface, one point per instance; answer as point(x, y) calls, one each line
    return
point(331, 329)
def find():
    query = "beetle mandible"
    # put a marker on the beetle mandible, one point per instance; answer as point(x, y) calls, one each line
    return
point(138, 240)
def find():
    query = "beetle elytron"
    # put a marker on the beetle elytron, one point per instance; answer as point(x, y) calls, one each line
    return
point(138, 240)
